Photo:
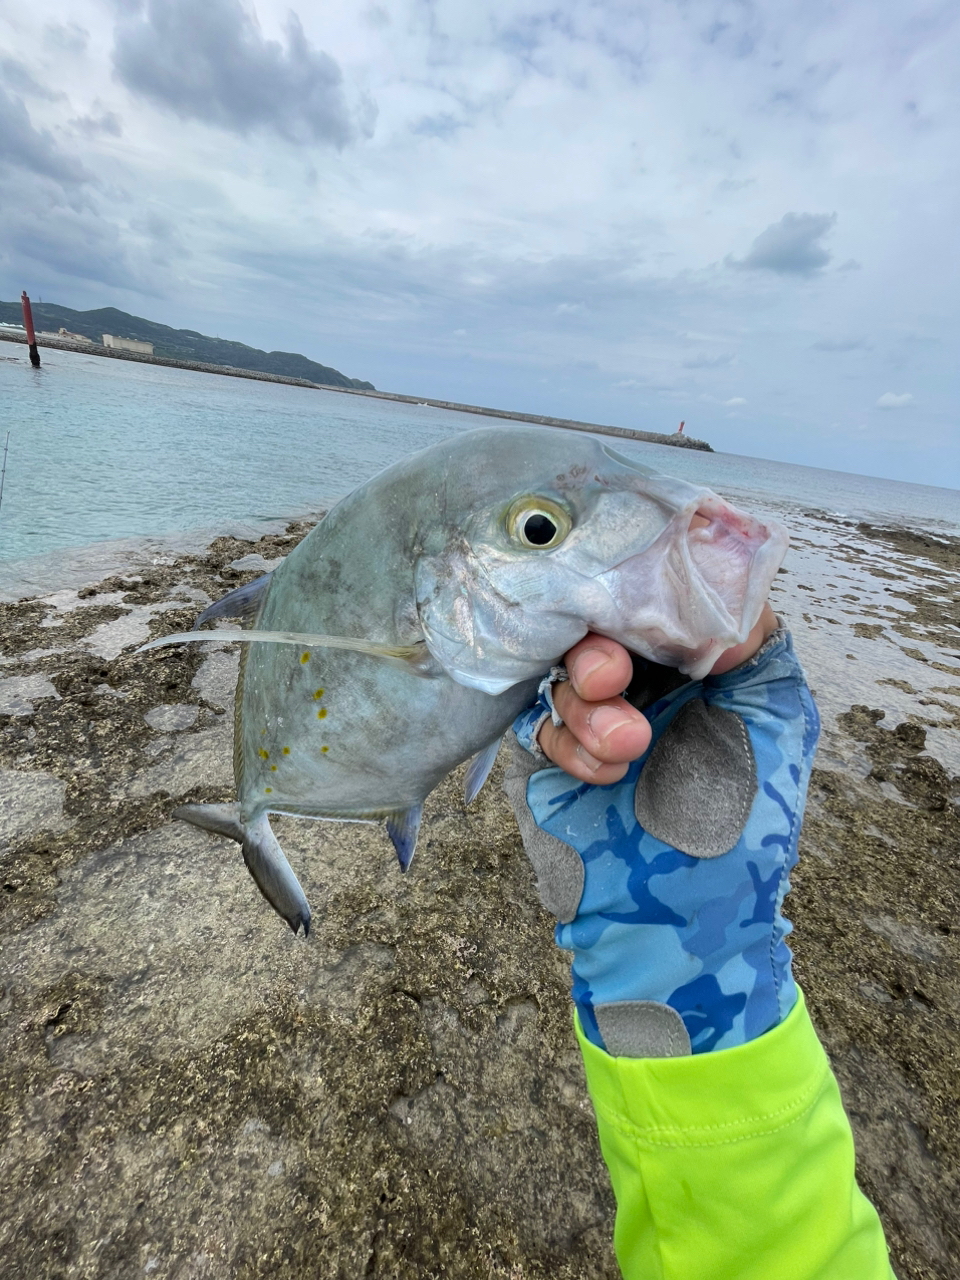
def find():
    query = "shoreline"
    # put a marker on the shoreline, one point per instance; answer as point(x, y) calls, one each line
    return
point(675, 439)
point(150, 1002)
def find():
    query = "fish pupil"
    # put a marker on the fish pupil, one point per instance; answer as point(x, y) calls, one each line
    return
point(539, 529)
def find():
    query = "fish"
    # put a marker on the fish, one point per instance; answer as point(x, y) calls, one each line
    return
point(415, 621)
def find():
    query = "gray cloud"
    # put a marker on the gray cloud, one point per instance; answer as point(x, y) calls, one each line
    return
point(67, 37)
point(16, 76)
point(55, 237)
point(839, 344)
point(790, 246)
point(209, 62)
point(92, 126)
point(24, 147)
point(708, 362)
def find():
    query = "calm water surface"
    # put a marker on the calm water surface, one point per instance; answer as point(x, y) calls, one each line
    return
point(104, 449)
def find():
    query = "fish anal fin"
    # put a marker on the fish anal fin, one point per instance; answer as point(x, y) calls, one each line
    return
point(403, 827)
point(478, 770)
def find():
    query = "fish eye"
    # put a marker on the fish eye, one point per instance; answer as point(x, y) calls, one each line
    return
point(540, 524)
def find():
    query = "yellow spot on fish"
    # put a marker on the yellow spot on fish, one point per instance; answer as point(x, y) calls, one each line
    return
point(268, 790)
point(305, 657)
point(318, 693)
point(324, 749)
point(322, 713)
point(286, 751)
point(273, 768)
point(264, 755)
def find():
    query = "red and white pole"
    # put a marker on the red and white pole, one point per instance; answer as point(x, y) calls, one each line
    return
point(28, 325)
point(680, 428)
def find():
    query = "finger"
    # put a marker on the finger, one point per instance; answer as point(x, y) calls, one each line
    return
point(764, 628)
point(611, 730)
point(598, 668)
point(560, 746)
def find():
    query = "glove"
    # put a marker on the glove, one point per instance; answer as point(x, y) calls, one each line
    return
point(668, 885)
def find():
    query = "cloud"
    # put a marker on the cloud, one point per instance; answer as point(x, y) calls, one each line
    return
point(839, 344)
point(790, 246)
point(734, 401)
point(18, 78)
point(24, 147)
point(209, 62)
point(67, 37)
point(708, 362)
point(92, 126)
point(890, 400)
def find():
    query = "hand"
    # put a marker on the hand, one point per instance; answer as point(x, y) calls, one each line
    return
point(601, 732)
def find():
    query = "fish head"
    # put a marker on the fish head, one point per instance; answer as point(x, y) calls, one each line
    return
point(558, 535)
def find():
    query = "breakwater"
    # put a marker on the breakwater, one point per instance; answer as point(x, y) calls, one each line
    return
point(230, 371)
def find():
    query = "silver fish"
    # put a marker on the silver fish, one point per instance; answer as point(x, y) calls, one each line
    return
point(412, 625)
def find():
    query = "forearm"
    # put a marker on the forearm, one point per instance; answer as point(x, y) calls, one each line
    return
point(734, 1165)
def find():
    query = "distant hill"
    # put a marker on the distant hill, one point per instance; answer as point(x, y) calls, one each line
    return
point(178, 344)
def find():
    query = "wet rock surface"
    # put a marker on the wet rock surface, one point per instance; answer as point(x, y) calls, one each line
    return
point(188, 1091)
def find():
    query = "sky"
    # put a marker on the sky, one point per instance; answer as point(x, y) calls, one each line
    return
point(743, 216)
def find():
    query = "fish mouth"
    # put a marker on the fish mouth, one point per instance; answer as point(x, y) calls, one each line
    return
point(698, 588)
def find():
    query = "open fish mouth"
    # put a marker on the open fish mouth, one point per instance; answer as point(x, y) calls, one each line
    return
point(698, 588)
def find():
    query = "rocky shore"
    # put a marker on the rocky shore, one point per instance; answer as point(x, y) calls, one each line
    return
point(187, 1091)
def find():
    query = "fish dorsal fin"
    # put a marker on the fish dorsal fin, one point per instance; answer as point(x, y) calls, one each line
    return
point(243, 603)
point(403, 827)
point(478, 770)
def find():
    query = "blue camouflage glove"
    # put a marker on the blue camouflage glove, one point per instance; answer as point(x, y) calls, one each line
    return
point(669, 884)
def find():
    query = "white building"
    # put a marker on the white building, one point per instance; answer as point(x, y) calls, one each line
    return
point(128, 344)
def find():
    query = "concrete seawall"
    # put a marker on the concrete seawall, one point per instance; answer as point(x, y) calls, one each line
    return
point(624, 433)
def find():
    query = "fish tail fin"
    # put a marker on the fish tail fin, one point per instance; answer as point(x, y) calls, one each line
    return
point(223, 819)
point(262, 854)
point(273, 874)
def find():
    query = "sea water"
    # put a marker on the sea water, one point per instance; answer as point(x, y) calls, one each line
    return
point(115, 465)
point(104, 449)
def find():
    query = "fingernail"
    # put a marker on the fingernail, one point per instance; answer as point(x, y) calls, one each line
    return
point(588, 662)
point(603, 720)
point(592, 763)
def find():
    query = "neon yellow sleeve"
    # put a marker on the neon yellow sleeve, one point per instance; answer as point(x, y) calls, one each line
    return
point(734, 1165)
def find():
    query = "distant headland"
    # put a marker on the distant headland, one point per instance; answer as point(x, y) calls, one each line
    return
point(121, 336)
point(85, 330)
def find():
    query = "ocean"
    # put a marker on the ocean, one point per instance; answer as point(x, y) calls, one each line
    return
point(115, 464)
point(109, 449)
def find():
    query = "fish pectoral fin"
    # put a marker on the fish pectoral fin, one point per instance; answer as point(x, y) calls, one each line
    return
point(415, 658)
point(243, 603)
point(224, 819)
point(478, 770)
point(273, 874)
point(403, 827)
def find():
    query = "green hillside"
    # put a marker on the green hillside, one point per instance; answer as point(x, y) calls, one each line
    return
point(178, 344)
